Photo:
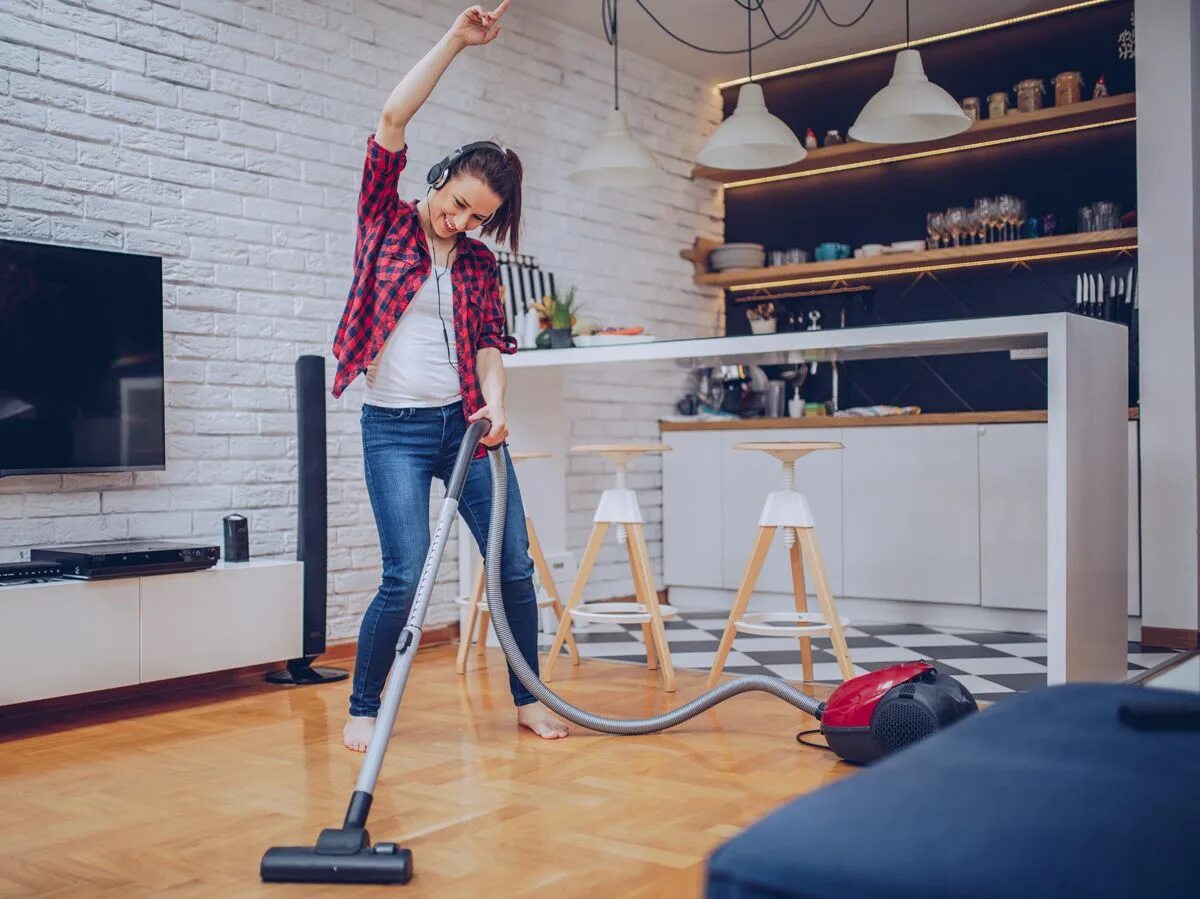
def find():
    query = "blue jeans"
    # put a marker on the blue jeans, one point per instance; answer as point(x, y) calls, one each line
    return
point(403, 451)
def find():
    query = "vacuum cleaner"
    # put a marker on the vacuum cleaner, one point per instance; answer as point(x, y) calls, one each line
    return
point(864, 718)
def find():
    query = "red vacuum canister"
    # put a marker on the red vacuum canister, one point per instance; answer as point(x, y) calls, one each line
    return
point(880, 712)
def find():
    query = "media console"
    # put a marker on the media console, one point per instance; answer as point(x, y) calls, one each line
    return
point(59, 638)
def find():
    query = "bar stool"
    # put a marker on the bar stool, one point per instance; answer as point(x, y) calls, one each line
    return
point(618, 505)
point(787, 509)
point(478, 614)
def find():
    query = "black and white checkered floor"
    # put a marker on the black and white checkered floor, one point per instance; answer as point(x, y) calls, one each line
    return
point(991, 664)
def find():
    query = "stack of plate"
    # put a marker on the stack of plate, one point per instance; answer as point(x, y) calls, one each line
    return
point(737, 255)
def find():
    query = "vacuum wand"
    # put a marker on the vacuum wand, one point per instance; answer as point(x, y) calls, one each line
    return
point(345, 854)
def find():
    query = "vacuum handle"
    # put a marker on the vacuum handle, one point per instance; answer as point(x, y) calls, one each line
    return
point(476, 430)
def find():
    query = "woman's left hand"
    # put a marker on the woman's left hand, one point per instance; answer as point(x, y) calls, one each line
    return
point(499, 431)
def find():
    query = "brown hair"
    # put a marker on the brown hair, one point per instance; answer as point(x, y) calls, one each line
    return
point(502, 172)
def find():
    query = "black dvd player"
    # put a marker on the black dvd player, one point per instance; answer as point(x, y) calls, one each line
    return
point(96, 561)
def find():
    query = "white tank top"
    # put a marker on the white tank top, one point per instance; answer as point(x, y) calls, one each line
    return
point(412, 369)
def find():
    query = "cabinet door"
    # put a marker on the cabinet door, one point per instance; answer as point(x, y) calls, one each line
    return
point(750, 476)
point(911, 501)
point(1012, 515)
point(64, 637)
point(233, 615)
point(1135, 523)
point(692, 517)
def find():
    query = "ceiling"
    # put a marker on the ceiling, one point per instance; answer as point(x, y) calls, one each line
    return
point(721, 24)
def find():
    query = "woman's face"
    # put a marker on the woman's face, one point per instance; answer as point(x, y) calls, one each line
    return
point(462, 204)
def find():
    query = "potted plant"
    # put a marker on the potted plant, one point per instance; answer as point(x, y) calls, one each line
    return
point(562, 317)
point(762, 318)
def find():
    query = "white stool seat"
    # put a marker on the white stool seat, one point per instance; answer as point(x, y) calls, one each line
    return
point(786, 624)
point(620, 612)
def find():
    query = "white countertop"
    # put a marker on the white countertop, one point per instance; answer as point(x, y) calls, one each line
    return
point(877, 342)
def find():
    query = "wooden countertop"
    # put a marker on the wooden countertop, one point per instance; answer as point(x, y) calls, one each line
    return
point(831, 421)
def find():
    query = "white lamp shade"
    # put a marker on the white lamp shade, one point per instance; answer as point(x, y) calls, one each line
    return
point(911, 108)
point(616, 159)
point(751, 138)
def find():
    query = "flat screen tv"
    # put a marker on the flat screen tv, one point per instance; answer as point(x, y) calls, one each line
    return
point(81, 360)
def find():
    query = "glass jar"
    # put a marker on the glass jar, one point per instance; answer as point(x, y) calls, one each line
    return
point(1029, 94)
point(997, 104)
point(1068, 88)
point(970, 105)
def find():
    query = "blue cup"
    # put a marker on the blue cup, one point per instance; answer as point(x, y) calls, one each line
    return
point(828, 251)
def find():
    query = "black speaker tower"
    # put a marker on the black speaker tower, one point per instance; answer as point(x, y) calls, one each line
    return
point(312, 542)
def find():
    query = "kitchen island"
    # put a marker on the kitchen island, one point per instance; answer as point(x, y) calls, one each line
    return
point(1086, 471)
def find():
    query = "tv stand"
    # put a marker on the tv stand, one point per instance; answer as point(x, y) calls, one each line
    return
point(75, 636)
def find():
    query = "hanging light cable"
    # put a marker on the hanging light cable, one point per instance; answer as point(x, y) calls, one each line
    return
point(910, 108)
point(616, 159)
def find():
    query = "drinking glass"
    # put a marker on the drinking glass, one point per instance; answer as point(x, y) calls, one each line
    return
point(983, 215)
point(956, 221)
point(935, 225)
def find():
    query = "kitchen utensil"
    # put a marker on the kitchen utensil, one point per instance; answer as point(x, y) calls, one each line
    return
point(773, 406)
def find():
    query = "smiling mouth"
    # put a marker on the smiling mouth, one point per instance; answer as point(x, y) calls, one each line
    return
point(448, 225)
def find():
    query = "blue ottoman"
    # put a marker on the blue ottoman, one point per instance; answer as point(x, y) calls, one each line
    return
point(1046, 794)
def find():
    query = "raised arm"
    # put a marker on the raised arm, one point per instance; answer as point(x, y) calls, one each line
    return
point(473, 27)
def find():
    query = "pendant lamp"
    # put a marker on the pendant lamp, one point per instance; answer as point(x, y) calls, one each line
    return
point(910, 108)
point(751, 138)
point(616, 159)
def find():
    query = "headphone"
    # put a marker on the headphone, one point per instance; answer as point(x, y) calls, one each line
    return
point(441, 171)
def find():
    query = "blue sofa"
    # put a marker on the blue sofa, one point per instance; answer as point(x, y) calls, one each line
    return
point(1047, 794)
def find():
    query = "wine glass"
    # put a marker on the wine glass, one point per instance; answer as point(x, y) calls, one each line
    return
point(935, 224)
point(1007, 206)
point(956, 221)
point(983, 213)
point(1019, 216)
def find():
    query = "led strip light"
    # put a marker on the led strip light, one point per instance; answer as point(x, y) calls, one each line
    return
point(920, 42)
point(933, 267)
point(845, 167)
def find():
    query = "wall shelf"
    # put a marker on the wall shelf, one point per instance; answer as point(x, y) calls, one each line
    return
point(1089, 114)
point(947, 258)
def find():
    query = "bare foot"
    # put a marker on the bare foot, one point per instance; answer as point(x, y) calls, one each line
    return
point(541, 721)
point(357, 733)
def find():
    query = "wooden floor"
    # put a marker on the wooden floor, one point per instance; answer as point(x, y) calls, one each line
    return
point(182, 796)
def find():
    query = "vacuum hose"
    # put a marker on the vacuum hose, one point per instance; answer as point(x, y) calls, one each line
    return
point(554, 702)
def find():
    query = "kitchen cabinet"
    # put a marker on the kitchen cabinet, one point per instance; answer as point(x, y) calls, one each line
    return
point(694, 525)
point(911, 513)
point(750, 476)
point(1012, 521)
point(926, 513)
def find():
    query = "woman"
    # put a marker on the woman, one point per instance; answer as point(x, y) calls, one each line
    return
point(430, 344)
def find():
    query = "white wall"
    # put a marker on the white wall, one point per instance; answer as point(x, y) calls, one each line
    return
point(227, 137)
point(1168, 69)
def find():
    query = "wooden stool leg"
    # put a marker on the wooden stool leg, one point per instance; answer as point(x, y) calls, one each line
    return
point(639, 592)
point(595, 541)
point(757, 555)
point(801, 606)
point(658, 631)
point(825, 595)
point(543, 568)
point(484, 615)
point(464, 642)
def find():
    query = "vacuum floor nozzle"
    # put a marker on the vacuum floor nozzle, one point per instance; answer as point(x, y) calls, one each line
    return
point(342, 855)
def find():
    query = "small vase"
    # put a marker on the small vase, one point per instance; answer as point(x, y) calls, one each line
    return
point(560, 338)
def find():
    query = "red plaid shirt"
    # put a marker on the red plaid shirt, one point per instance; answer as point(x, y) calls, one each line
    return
point(391, 261)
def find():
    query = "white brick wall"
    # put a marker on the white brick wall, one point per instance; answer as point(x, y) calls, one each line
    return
point(227, 137)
